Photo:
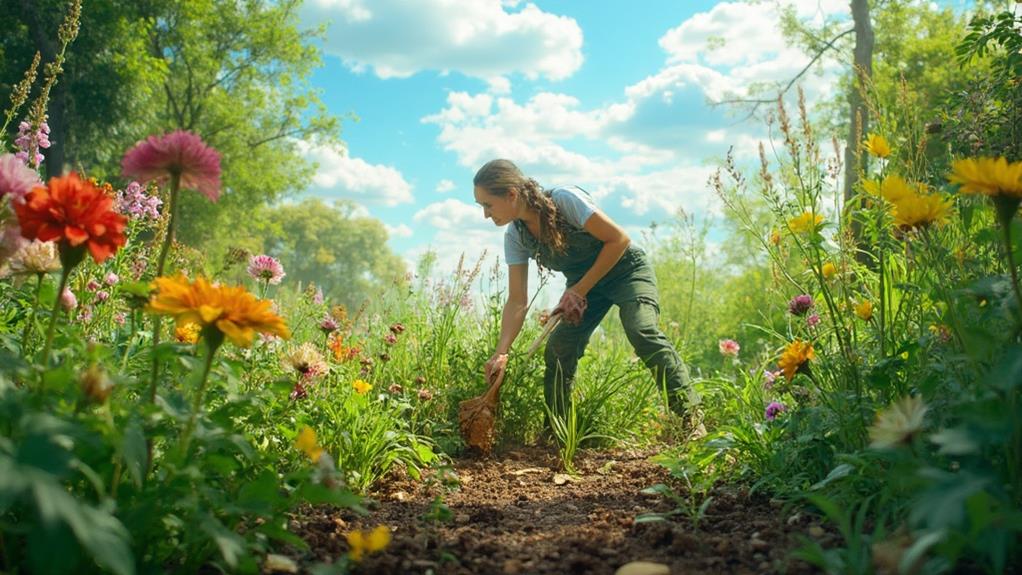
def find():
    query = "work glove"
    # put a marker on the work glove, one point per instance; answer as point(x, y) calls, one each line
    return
point(571, 307)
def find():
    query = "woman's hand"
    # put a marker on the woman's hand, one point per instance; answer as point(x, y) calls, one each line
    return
point(496, 364)
point(571, 307)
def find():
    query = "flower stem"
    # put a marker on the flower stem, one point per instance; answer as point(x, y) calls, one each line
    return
point(53, 317)
point(1009, 255)
point(30, 325)
point(211, 347)
point(175, 181)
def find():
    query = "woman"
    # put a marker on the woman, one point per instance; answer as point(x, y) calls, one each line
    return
point(564, 231)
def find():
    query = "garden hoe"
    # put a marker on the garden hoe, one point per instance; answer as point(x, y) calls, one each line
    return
point(477, 415)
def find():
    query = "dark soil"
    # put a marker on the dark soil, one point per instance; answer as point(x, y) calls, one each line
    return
point(510, 516)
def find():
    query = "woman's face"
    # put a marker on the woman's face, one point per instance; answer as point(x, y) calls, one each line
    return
point(501, 209)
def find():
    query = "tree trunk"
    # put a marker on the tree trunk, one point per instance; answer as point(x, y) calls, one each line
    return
point(858, 116)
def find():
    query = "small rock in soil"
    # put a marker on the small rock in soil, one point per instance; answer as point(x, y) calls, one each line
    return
point(643, 568)
point(279, 564)
point(816, 531)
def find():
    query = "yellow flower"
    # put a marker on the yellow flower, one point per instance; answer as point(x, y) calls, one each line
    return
point(306, 443)
point(877, 145)
point(921, 211)
point(988, 176)
point(232, 311)
point(893, 188)
point(898, 423)
point(795, 356)
point(361, 387)
point(828, 270)
point(775, 237)
point(365, 542)
point(187, 333)
point(864, 310)
point(807, 222)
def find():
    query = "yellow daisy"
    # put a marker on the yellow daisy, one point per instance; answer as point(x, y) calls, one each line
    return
point(306, 443)
point(877, 145)
point(988, 176)
point(807, 222)
point(365, 542)
point(795, 356)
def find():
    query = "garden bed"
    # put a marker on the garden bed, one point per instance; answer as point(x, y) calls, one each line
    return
point(511, 515)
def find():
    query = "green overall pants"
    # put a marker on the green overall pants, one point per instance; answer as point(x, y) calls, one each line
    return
point(631, 285)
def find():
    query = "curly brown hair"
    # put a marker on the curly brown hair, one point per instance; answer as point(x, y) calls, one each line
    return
point(499, 177)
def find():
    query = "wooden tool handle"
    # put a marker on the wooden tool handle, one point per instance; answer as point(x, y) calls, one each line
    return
point(549, 327)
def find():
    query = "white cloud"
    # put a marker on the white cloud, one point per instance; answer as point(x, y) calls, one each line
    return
point(452, 214)
point(398, 231)
point(340, 175)
point(444, 186)
point(480, 38)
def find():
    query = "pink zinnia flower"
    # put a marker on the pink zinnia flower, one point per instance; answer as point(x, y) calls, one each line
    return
point(773, 410)
point(180, 152)
point(800, 304)
point(729, 347)
point(265, 268)
point(16, 179)
point(102, 296)
point(111, 278)
point(68, 299)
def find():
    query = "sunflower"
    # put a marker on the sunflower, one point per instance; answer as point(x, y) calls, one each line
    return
point(229, 311)
point(795, 357)
point(877, 145)
point(988, 176)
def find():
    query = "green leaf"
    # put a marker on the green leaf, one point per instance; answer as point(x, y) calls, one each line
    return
point(839, 472)
point(231, 545)
point(134, 451)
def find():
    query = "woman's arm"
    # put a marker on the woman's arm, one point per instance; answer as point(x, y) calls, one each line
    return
point(615, 242)
point(515, 307)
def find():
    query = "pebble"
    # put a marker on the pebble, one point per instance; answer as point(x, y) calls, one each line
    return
point(758, 544)
point(512, 566)
point(764, 567)
point(794, 518)
point(643, 568)
point(279, 564)
point(816, 531)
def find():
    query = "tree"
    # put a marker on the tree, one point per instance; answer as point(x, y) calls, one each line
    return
point(343, 253)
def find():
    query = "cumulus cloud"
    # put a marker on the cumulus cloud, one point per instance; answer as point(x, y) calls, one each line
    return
point(452, 214)
point(339, 175)
point(486, 39)
point(399, 231)
point(445, 186)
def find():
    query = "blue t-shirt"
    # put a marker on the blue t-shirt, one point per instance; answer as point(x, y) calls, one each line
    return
point(574, 204)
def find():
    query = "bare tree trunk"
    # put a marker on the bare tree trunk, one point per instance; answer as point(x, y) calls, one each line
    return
point(858, 116)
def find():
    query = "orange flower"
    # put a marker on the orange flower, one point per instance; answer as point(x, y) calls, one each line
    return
point(232, 311)
point(342, 352)
point(75, 212)
point(795, 356)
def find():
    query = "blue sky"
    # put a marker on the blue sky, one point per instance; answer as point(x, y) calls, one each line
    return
point(608, 95)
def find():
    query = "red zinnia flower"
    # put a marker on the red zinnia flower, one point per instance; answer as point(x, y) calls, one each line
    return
point(74, 212)
point(180, 152)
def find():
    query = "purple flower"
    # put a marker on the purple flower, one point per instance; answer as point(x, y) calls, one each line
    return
point(800, 304)
point(265, 268)
point(120, 318)
point(102, 295)
point(773, 410)
point(813, 320)
point(133, 202)
point(16, 179)
point(390, 338)
point(29, 143)
point(93, 285)
point(111, 278)
point(317, 298)
point(328, 325)
point(68, 299)
point(85, 315)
